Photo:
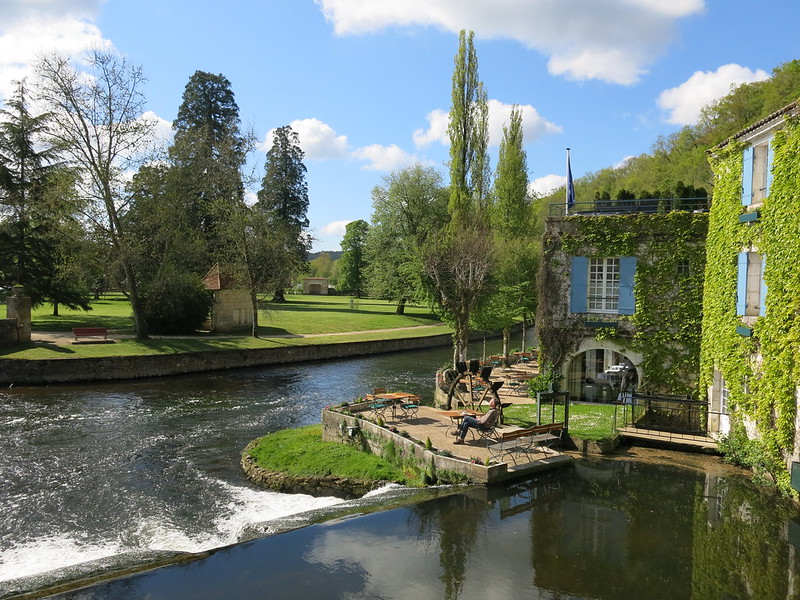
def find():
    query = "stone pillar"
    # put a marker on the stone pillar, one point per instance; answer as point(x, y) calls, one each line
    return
point(18, 306)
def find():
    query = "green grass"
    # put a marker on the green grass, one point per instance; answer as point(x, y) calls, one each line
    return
point(587, 421)
point(301, 452)
point(322, 316)
point(132, 347)
point(299, 315)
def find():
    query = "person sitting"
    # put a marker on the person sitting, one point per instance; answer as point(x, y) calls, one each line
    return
point(484, 422)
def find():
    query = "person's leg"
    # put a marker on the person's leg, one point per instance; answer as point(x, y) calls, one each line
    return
point(466, 424)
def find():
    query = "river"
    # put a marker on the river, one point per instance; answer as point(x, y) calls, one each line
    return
point(107, 475)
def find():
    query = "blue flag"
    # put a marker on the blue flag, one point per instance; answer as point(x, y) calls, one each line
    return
point(570, 186)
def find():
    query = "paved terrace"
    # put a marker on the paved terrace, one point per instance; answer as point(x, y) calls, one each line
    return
point(431, 424)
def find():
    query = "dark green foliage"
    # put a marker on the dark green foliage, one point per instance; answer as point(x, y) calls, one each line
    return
point(176, 303)
point(283, 200)
point(352, 265)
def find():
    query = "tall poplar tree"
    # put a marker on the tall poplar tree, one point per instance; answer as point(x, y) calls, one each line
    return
point(469, 138)
point(283, 197)
point(352, 264)
point(458, 261)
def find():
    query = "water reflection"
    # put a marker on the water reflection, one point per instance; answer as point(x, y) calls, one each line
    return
point(609, 529)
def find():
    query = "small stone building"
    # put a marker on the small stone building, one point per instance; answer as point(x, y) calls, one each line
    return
point(16, 328)
point(315, 285)
point(232, 309)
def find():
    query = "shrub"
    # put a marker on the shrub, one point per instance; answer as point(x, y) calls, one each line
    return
point(176, 304)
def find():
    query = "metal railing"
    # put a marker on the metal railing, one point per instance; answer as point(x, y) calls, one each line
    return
point(668, 414)
point(627, 207)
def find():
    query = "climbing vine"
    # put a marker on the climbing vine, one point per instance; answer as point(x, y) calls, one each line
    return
point(761, 371)
point(666, 326)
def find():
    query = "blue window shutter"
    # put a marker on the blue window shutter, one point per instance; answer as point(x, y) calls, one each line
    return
point(579, 283)
point(769, 168)
point(741, 284)
point(747, 177)
point(762, 309)
point(627, 270)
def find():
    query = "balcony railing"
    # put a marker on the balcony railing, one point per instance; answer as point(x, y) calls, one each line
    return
point(627, 207)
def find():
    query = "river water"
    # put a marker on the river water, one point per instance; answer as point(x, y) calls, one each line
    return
point(101, 476)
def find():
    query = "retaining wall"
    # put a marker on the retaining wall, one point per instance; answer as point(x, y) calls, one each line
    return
point(68, 370)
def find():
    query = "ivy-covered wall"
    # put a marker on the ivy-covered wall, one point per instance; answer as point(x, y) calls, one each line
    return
point(762, 371)
point(666, 325)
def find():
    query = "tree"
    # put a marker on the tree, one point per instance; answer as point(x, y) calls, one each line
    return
point(467, 129)
point(207, 156)
point(458, 262)
point(407, 209)
point(283, 197)
point(458, 273)
point(516, 246)
point(352, 264)
point(98, 123)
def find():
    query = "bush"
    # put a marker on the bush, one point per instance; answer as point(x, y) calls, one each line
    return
point(176, 304)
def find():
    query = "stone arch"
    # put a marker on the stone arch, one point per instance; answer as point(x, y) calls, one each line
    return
point(587, 374)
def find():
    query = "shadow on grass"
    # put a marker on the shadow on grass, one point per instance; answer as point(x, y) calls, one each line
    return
point(47, 346)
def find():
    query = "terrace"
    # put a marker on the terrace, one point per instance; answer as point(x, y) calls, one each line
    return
point(628, 207)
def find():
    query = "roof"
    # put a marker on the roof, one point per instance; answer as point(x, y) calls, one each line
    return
point(216, 280)
point(786, 110)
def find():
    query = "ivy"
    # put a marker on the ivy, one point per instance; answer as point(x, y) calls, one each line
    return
point(666, 326)
point(762, 372)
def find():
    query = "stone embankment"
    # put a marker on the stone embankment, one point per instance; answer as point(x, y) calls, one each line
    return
point(69, 370)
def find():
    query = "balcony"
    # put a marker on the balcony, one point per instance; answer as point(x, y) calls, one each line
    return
point(628, 207)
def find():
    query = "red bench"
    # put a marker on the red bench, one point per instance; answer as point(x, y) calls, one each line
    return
point(80, 332)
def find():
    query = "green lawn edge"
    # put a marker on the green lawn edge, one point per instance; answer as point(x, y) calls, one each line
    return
point(301, 452)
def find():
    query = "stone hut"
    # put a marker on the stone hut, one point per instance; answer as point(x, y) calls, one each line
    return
point(16, 328)
point(315, 286)
point(232, 309)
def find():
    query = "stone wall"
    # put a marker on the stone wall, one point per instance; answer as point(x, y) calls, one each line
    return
point(67, 370)
point(337, 427)
point(9, 336)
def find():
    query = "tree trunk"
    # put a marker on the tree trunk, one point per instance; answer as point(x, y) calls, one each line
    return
point(506, 343)
point(401, 307)
point(254, 301)
point(55, 309)
point(279, 296)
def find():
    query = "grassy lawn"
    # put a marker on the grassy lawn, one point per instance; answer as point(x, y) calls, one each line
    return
point(301, 315)
point(302, 452)
point(587, 421)
point(132, 347)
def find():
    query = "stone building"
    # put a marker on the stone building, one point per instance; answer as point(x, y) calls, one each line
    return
point(232, 309)
point(751, 322)
point(620, 293)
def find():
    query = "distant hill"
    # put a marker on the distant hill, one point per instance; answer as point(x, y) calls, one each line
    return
point(335, 255)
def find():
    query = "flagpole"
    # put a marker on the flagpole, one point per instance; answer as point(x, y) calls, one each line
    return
point(570, 199)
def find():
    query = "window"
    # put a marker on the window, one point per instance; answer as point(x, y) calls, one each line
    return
point(756, 173)
point(603, 285)
point(683, 268)
point(751, 291)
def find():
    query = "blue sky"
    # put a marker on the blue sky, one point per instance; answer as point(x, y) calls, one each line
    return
point(366, 83)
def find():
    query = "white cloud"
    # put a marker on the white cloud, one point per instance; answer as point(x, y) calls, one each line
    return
point(336, 227)
point(544, 186)
point(534, 125)
point(29, 29)
point(610, 40)
point(384, 158)
point(684, 103)
point(436, 132)
point(318, 140)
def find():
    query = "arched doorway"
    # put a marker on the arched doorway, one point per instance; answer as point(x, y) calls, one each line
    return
point(601, 374)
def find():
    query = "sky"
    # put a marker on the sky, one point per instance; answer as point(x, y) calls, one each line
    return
point(366, 84)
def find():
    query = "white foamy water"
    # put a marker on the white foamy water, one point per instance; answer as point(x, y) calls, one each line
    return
point(245, 506)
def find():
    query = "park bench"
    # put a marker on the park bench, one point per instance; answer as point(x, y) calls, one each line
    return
point(93, 332)
point(525, 441)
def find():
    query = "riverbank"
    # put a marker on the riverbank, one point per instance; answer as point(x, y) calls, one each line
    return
point(19, 371)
